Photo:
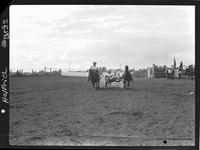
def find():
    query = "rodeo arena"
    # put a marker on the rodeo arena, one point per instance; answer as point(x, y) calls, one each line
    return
point(103, 107)
point(118, 77)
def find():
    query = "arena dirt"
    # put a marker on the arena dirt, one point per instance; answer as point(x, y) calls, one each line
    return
point(68, 111)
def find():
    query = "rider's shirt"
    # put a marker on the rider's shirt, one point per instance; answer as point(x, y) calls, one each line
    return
point(93, 68)
point(111, 74)
point(119, 74)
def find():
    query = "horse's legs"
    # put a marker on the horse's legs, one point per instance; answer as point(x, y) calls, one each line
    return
point(106, 83)
point(109, 83)
point(93, 84)
point(124, 83)
point(98, 83)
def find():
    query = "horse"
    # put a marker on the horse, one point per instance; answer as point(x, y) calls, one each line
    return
point(109, 80)
point(94, 78)
point(115, 78)
point(127, 76)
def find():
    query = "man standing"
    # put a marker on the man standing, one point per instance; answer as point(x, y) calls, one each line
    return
point(94, 75)
point(94, 67)
point(119, 75)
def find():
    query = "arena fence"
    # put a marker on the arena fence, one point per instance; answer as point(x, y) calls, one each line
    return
point(74, 73)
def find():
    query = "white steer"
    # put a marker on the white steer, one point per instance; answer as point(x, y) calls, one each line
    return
point(102, 83)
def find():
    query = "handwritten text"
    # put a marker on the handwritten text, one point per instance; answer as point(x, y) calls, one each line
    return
point(4, 84)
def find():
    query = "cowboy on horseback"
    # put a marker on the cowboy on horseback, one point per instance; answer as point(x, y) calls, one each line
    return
point(110, 74)
point(109, 78)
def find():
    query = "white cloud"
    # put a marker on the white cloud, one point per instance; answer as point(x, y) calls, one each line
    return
point(112, 35)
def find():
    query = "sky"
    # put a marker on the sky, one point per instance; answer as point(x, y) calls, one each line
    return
point(60, 36)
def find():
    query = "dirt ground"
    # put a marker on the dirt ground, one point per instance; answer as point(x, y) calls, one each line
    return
point(68, 111)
